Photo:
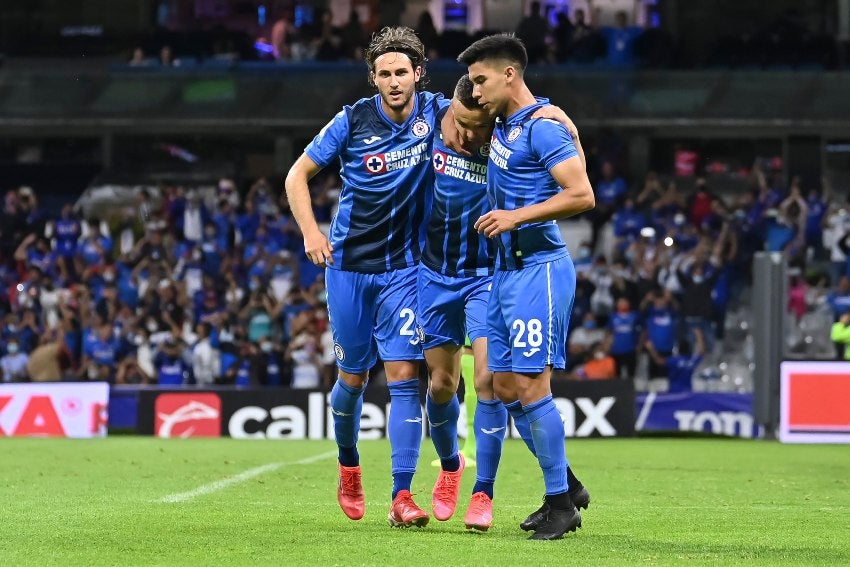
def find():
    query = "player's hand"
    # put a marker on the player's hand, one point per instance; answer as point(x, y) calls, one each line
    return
point(558, 115)
point(451, 134)
point(496, 222)
point(318, 249)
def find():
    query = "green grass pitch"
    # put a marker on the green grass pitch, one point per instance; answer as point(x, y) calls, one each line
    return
point(147, 501)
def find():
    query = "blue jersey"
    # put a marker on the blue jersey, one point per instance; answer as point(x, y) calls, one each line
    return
point(522, 151)
point(384, 169)
point(453, 247)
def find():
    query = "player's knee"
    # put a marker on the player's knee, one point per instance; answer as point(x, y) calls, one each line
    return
point(505, 393)
point(443, 385)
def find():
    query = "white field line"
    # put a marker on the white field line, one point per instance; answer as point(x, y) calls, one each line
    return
point(241, 477)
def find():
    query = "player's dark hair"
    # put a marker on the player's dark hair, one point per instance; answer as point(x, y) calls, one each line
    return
point(463, 93)
point(397, 40)
point(500, 46)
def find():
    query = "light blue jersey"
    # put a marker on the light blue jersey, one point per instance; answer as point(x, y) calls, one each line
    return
point(522, 151)
point(385, 171)
point(457, 264)
point(534, 284)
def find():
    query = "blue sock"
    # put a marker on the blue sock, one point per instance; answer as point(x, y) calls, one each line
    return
point(491, 423)
point(405, 431)
point(547, 431)
point(442, 419)
point(346, 405)
point(521, 424)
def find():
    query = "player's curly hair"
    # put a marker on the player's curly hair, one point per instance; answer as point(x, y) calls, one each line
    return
point(399, 40)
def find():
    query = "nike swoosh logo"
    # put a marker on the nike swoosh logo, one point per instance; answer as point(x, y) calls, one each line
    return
point(438, 424)
point(340, 413)
point(531, 352)
point(371, 140)
point(414, 420)
point(492, 431)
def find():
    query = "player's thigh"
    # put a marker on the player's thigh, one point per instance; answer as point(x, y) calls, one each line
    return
point(395, 324)
point(536, 302)
point(439, 312)
point(352, 304)
point(498, 332)
point(476, 298)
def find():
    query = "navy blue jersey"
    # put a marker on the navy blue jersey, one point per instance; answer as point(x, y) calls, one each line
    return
point(522, 151)
point(453, 247)
point(385, 171)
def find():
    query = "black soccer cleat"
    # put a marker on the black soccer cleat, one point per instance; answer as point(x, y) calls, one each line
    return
point(578, 494)
point(536, 518)
point(558, 523)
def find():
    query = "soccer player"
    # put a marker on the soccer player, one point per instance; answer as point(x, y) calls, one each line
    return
point(453, 291)
point(535, 176)
point(371, 254)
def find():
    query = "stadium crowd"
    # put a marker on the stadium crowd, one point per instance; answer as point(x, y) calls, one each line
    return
point(579, 38)
point(217, 290)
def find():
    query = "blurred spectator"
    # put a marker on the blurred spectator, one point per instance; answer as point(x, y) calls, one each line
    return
point(840, 334)
point(49, 362)
point(581, 340)
point(697, 276)
point(681, 366)
point(610, 192)
point(427, 32)
point(354, 37)
point(661, 329)
point(170, 364)
point(532, 31)
point(206, 360)
point(620, 41)
point(166, 56)
point(328, 45)
point(563, 37)
point(13, 365)
point(138, 59)
point(624, 330)
point(599, 366)
point(303, 353)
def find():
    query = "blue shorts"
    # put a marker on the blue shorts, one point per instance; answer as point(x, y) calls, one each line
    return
point(372, 314)
point(528, 317)
point(451, 308)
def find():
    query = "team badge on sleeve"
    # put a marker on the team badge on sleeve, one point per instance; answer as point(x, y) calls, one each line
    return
point(439, 160)
point(375, 163)
point(514, 133)
point(420, 128)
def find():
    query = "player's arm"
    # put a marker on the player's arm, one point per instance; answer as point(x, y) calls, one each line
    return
point(316, 244)
point(557, 114)
point(575, 197)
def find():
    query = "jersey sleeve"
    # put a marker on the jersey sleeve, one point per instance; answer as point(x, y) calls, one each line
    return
point(330, 141)
point(551, 142)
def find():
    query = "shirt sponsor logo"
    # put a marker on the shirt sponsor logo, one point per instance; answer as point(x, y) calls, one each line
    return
point(439, 161)
point(398, 159)
point(460, 168)
point(499, 154)
point(375, 163)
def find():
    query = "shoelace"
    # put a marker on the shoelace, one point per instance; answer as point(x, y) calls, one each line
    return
point(350, 483)
point(447, 484)
point(479, 502)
